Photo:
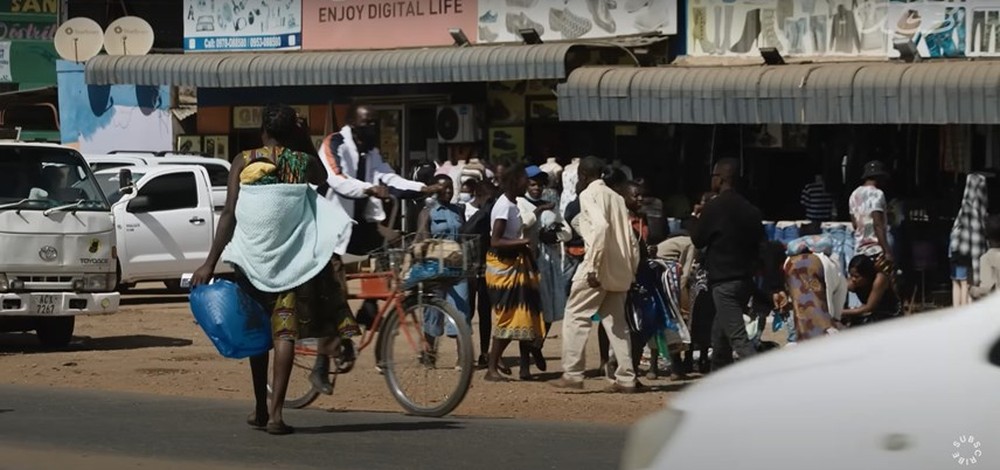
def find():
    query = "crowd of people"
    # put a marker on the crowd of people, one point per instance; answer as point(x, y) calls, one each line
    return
point(580, 244)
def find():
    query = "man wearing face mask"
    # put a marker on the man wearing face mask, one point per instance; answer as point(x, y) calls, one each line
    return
point(353, 154)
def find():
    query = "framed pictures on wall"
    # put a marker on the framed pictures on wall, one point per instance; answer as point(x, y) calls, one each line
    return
point(542, 109)
point(217, 146)
point(506, 142)
point(190, 144)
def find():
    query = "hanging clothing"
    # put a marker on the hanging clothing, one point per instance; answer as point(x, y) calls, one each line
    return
point(968, 234)
point(844, 35)
point(569, 180)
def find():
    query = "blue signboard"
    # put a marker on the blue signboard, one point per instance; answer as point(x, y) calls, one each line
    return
point(242, 25)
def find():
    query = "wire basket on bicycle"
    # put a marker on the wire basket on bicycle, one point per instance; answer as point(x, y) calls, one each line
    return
point(430, 260)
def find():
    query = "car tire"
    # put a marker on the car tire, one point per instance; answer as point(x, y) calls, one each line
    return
point(55, 332)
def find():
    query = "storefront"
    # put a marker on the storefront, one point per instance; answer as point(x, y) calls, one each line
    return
point(803, 90)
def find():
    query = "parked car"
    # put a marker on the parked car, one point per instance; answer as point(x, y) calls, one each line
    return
point(918, 393)
point(56, 239)
point(218, 170)
point(164, 221)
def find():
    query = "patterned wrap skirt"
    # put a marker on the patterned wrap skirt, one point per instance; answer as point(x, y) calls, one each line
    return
point(512, 279)
point(316, 309)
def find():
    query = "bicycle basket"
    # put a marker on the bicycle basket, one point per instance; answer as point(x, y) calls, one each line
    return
point(443, 260)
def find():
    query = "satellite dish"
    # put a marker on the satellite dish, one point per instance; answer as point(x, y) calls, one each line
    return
point(79, 39)
point(128, 35)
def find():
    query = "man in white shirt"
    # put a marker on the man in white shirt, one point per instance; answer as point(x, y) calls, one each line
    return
point(611, 257)
point(359, 179)
point(355, 166)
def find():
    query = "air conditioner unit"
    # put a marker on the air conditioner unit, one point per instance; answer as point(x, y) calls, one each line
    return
point(457, 123)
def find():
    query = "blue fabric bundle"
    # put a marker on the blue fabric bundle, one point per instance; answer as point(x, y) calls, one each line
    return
point(430, 269)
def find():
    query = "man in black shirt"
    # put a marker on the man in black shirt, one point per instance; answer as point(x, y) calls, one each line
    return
point(730, 231)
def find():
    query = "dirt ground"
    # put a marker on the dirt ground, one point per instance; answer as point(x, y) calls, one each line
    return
point(154, 346)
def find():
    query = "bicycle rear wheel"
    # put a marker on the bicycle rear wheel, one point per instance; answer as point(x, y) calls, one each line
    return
point(300, 391)
point(427, 376)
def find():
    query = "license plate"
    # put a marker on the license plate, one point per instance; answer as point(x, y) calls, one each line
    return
point(45, 304)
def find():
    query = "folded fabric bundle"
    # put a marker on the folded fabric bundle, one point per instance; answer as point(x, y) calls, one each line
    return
point(285, 234)
point(260, 172)
point(818, 244)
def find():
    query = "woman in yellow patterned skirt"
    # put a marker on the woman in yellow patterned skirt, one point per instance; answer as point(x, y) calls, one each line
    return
point(511, 275)
point(315, 308)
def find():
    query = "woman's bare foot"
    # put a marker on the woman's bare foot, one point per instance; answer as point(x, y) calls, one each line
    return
point(279, 428)
point(257, 420)
point(495, 377)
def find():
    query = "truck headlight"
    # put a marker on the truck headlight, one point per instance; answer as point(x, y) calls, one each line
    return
point(4, 285)
point(97, 282)
point(648, 437)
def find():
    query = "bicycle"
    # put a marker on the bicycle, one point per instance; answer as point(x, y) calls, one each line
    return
point(408, 282)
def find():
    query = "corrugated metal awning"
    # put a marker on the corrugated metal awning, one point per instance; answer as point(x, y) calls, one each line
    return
point(383, 67)
point(832, 93)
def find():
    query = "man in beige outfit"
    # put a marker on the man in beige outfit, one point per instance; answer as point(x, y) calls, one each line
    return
point(602, 280)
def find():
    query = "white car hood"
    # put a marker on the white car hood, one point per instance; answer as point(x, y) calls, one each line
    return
point(975, 326)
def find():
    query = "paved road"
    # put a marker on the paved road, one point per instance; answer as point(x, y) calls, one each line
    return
point(52, 428)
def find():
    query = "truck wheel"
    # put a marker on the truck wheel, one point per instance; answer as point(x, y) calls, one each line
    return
point(55, 332)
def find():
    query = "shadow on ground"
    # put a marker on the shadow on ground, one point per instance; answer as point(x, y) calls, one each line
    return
point(381, 427)
point(28, 343)
point(152, 297)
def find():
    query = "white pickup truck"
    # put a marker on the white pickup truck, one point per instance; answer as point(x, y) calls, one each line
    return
point(218, 170)
point(164, 221)
point(57, 255)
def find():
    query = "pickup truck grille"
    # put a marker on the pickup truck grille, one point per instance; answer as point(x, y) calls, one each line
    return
point(46, 283)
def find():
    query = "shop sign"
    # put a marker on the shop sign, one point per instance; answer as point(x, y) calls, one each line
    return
point(249, 117)
point(30, 6)
point(32, 20)
point(384, 24)
point(860, 28)
point(5, 75)
point(499, 21)
point(27, 30)
point(246, 25)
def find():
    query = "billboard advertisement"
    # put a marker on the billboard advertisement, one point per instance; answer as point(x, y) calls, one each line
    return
point(244, 25)
point(844, 27)
point(385, 24)
point(500, 20)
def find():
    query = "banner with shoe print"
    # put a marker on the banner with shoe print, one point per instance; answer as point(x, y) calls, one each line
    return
point(794, 27)
point(937, 28)
point(501, 20)
point(385, 24)
point(242, 25)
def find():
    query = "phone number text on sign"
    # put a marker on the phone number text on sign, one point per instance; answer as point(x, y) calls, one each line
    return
point(235, 43)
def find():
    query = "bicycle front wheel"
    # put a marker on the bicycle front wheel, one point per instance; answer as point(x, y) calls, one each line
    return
point(427, 369)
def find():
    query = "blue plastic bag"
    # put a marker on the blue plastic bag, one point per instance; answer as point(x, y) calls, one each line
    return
point(238, 326)
point(427, 270)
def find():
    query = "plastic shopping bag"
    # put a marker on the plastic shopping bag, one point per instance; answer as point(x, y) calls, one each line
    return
point(238, 326)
